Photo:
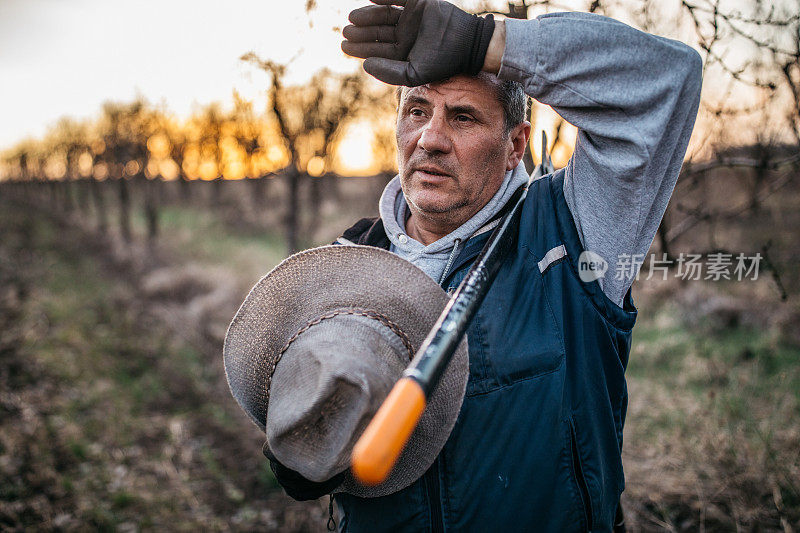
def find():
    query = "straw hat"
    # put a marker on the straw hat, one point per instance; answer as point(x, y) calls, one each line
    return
point(316, 347)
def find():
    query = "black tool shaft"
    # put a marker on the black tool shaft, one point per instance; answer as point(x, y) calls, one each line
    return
point(437, 349)
point(439, 346)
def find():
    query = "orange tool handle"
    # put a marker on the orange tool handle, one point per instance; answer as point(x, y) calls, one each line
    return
point(383, 441)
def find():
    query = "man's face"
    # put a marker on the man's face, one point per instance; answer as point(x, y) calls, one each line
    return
point(453, 150)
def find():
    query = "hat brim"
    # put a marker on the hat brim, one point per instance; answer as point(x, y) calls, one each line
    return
point(316, 281)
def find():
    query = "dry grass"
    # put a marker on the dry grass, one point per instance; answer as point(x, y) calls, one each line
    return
point(713, 429)
point(111, 419)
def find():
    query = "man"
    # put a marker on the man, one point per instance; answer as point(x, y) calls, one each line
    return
point(537, 445)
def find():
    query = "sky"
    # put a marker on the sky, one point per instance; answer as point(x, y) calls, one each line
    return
point(66, 57)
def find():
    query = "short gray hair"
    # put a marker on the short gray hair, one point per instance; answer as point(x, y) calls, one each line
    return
point(510, 94)
point(514, 102)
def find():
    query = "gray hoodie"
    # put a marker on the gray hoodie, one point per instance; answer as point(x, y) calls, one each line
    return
point(436, 258)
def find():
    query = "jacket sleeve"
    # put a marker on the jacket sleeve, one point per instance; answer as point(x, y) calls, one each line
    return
point(634, 98)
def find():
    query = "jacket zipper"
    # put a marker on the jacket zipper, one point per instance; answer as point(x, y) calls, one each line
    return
point(331, 525)
point(434, 497)
point(432, 475)
point(449, 261)
point(579, 477)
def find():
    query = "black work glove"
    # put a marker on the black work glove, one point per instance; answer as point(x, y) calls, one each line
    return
point(422, 42)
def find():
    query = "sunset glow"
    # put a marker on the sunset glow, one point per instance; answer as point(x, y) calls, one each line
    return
point(171, 60)
point(354, 153)
point(181, 52)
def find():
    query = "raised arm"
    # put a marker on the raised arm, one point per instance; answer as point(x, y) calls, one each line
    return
point(633, 97)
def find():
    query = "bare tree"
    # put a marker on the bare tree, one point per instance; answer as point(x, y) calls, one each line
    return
point(124, 133)
point(309, 119)
point(751, 99)
point(247, 129)
point(210, 123)
point(751, 55)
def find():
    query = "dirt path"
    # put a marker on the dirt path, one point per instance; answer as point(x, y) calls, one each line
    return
point(114, 411)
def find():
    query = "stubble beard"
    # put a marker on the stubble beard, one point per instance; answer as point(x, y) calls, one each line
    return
point(432, 209)
point(458, 207)
point(437, 208)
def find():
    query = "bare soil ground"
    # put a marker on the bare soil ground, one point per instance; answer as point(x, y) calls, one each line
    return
point(111, 417)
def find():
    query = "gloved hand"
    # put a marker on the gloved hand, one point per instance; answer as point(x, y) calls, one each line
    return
point(422, 42)
point(296, 485)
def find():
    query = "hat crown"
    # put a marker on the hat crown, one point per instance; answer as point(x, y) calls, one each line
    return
point(328, 384)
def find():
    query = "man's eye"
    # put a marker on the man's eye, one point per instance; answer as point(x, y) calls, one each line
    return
point(464, 118)
point(416, 112)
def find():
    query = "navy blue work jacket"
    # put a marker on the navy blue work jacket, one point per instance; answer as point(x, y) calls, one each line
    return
point(537, 445)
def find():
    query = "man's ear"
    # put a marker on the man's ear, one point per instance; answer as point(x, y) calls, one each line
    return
point(518, 139)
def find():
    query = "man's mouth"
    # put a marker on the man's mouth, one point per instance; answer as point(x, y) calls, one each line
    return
point(432, 171)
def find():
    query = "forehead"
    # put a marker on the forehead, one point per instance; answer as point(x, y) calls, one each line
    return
point(476, 92)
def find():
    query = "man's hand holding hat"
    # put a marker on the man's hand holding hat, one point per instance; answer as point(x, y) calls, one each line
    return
point(414, 42)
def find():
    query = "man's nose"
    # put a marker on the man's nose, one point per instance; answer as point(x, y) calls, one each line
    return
point(434, 136)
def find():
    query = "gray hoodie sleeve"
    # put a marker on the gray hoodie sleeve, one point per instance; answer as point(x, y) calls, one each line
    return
point(633, 97)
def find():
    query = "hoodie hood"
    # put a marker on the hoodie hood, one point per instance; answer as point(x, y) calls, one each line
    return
point(435, 257)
